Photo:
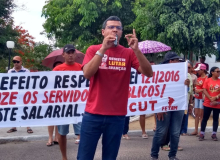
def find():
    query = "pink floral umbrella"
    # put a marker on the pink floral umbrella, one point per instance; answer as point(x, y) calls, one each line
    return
point(56, 56)
point(152, 47)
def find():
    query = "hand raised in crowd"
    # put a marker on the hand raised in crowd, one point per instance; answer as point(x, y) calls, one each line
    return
point(132, 40)
point(108, 42)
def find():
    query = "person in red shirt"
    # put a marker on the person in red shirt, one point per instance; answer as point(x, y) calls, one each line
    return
point(108, 66)
point(201, 70)
point(69, 54)
point(211, 89)
point(202, 61)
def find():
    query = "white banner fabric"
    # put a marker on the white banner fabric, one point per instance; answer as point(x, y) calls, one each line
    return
point(55, 98)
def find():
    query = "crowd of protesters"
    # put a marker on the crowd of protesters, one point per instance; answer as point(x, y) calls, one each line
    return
point(105, 119)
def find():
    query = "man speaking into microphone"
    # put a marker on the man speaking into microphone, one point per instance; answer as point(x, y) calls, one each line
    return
point(108, 66)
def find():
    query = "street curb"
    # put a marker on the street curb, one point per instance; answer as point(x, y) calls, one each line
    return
point(4, 140)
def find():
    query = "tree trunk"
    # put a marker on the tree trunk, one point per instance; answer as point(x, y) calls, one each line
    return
point(191, 56)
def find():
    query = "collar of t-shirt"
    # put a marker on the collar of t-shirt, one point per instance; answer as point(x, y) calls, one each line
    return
point(21, 70)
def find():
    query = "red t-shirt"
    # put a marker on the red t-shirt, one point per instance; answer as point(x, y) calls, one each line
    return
point(213, 88)
point(66, 67)
point(199, 85)
point(109, 87)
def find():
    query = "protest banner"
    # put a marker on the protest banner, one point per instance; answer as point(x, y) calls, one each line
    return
point(55, 98)
point(163, 92)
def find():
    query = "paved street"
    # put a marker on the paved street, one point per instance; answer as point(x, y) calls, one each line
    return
point(134, 149)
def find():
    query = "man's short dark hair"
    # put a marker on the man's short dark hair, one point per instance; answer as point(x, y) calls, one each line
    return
point(111, 18)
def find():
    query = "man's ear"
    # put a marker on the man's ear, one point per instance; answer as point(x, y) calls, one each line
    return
point(103, 31)
point(63, 54)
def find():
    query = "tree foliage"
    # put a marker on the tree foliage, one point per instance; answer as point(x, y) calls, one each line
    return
point(80, 21)
point(32, 53)
point(6, 8)
point(185, 25)
point(7, 31)
point(24, 42)
point(33, 59)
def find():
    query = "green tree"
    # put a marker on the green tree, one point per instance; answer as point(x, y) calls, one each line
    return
point(7, 31)
point(33, 59)
point(188, 26)
point(80, 21)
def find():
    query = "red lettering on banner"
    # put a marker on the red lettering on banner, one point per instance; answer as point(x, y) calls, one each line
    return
point(130, 107)
point(167, 76)
point(164, 86)
point(12, 97)
point(65, 95)
point(164, 108)
point(139, 91)
point(153, 77)
point(147, 80)
point(140, 106)
point(170, 108)
point(176, 76)
point(51, 96)
point(142, 78)
point(157, 77)
point(150, 91)
point(45, 95)
point(172, 76)
point(132, 94)
point(58, 96)
point(161, 78)
point(157, 91)
point(6, 94)
point(35, 98)
point(71, 96)
point(84, 96)
point(77, 95)
point(143, 92)
point(27, 97)
point(152, 104)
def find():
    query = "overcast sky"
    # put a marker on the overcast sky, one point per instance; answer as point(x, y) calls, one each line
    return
point(30, 18)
